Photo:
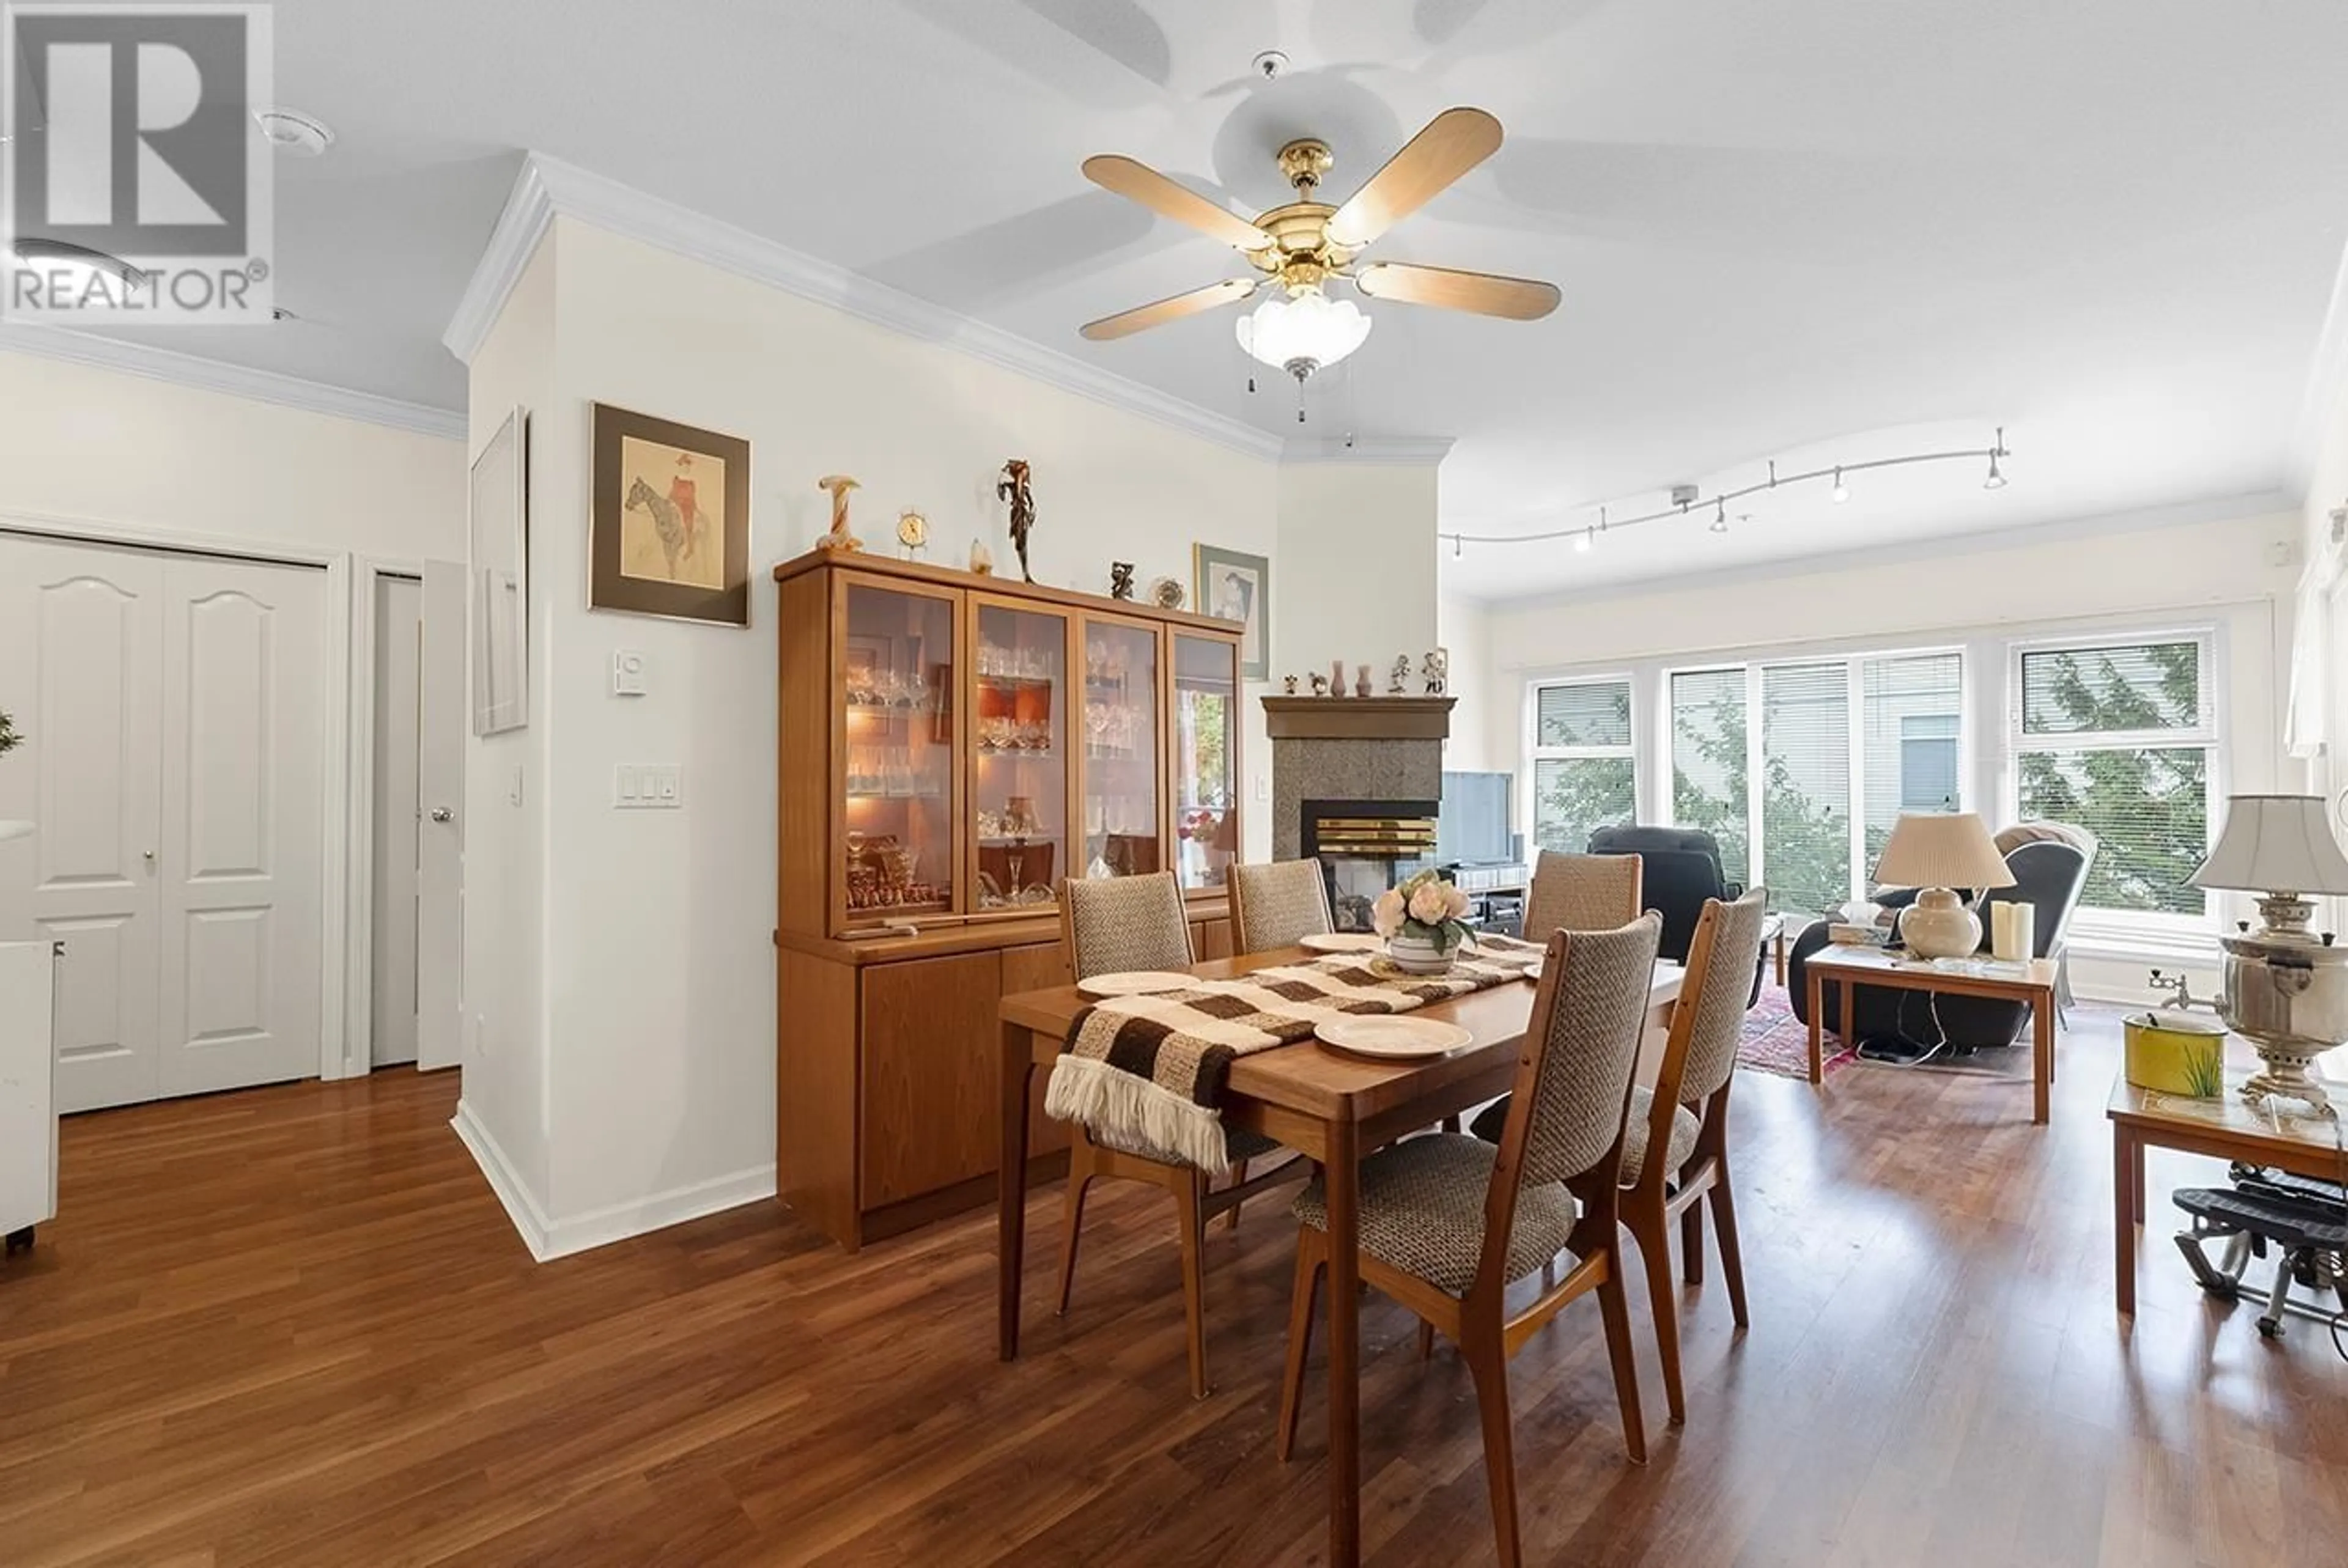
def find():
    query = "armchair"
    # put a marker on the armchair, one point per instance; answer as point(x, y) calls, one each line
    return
point(2048, 873)
point(1680, 870)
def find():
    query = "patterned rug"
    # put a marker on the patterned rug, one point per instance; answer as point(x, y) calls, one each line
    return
point(1777, 1041)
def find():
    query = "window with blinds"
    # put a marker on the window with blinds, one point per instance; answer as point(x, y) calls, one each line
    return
point(2119, 738)
point(1584, 775)
point(1912, 724)
point(1709, 767)
point(1805, 785)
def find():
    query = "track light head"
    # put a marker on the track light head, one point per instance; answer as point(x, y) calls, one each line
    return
point(1996, 480)
point(1720, 517)
point(1582, 540)
point(1841, 491)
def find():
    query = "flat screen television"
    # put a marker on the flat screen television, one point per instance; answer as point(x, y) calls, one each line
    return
point(1475, 826)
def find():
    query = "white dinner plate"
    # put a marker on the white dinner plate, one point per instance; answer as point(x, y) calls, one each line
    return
point(1392, 1038)
point(1136, 983)
point(1342, 942)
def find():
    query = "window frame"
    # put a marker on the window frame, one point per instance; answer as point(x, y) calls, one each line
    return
point(2207, 733)
point(1535, 754)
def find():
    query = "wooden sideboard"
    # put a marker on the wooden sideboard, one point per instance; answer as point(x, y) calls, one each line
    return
point(951, 744)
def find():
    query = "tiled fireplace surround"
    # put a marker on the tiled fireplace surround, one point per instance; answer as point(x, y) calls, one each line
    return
point(1351, 748)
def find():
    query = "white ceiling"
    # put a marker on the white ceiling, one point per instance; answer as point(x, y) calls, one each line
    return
point(1831, 229)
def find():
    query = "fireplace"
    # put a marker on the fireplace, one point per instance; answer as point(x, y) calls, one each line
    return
point(1364, 847)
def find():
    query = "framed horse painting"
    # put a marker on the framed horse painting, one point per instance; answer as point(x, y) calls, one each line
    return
point(670, 520)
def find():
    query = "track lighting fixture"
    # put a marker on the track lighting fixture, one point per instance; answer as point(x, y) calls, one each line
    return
point(1687, 498)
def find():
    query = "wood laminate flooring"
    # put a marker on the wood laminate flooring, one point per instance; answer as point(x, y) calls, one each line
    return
point(292, 1325)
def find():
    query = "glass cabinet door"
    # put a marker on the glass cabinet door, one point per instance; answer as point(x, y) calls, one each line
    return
point(898, 685)
point(1119, 750)
point(1206, 734)
point(1019, 771)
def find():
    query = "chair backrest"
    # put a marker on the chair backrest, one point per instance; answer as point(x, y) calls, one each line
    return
point(1675, 878)
point(1582, 892)
point(2050, 875)
point(1631, 839)
point(1278, 905)
point(1709, 1021)
point(1119, 923)
point(1573, 1083)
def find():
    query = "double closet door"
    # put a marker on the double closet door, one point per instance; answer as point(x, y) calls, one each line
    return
point(173, 710)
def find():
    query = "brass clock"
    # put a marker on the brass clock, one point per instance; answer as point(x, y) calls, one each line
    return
point(913, 533)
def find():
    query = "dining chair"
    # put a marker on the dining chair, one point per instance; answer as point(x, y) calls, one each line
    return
point(1582, 892)
point(1685, 1115)
point(1447, 1223)
point(1123, 923)
point(1277, 906)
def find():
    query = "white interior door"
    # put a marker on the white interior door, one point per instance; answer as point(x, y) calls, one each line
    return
point(81, 671)
point(442, 721)
point(398, 626)
point(241, 840)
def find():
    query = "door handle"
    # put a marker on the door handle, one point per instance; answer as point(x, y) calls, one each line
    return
point(442, 814)
point(149, 855)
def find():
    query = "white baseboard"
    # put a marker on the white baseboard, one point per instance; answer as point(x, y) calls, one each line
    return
point(601, 1227)
point(548, 1238)
point(528, 1218)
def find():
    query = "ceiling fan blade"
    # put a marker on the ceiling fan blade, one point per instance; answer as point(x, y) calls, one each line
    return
point(1139, 182)
point(1486, 294)
point(1143, 317)
point(1452, 143)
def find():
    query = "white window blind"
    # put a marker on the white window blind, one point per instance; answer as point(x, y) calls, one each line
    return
point(1584, 775)
point(1911, 727)
point(1805, 785)
point(2119, 738)
point(1709, 765)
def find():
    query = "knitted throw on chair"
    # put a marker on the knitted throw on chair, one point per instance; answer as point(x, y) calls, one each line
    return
point(1149, 1071)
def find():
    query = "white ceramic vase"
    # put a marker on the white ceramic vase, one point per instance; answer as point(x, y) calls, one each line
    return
point(1417, 955)
point(1939, 925)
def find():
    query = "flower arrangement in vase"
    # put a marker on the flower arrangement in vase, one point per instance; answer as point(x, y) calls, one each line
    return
point(1422, 922)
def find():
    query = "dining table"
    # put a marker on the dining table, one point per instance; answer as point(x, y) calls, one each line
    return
point(1327, 1106)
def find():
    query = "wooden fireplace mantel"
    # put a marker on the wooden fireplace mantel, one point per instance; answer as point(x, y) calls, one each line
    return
point(1358, 718)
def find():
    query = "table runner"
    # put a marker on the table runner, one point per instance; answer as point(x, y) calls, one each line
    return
point(1150, 1070)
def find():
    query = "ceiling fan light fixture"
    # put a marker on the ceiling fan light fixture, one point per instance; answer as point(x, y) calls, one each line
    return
point(1305, 332)
point(75, 270)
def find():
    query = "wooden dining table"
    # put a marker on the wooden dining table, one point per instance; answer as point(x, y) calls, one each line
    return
point(1326, 1106)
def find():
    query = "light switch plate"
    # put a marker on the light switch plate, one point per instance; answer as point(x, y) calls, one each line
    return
point(628, 673)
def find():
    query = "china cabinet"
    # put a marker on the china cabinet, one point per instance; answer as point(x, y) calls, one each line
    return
point(950, 746)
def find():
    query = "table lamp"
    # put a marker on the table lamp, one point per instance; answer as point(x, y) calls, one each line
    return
point(2282, 987)
point(1937, 851)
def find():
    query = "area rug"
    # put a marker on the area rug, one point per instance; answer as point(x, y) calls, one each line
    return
point(1777, 1041)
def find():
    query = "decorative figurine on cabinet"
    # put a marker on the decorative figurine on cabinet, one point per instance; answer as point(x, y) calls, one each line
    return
point(1320, 684)
point(1362, 686)
point(1398, 678)
point(912, 533)
point(1288, 684)
point(1013, 488)
point(1167, 593)
point(1120, 580)
point(840, 539)
point(1437, 670)
point(981, 559)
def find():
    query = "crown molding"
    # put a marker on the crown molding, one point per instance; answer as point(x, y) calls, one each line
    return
point(2325, 395)
point(548, 187)
point(133, 358)
point(1393, 451)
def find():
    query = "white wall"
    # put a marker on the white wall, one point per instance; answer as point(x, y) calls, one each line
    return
point(1354, 578)
point(2233, 572)
point(656, 998)
point(86, 445)
point(1481, 727)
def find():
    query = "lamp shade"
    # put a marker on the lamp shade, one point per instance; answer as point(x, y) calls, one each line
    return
point(1941, 849)
point(2275, 844)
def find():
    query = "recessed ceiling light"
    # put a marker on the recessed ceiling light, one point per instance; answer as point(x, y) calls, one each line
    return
point(292, 132)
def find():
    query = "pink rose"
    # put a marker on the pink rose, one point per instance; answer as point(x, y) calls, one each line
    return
point(1385, 915)
point(1428, 905)
point(1454, 903)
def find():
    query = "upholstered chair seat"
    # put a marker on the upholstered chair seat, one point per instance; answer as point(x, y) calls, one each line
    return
point(1423, 1211)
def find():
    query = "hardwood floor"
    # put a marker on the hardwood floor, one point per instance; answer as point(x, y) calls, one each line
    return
point(293, 1326)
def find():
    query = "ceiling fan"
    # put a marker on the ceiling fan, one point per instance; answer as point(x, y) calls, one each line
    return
point(1302, 245)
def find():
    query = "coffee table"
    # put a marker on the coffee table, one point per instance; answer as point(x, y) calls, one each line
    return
point(2031, 981)
point(2226, 1128)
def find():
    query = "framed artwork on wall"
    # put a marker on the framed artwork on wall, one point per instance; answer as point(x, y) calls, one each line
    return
point(1234, 586)
point(498, 536)
point(669, 520)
